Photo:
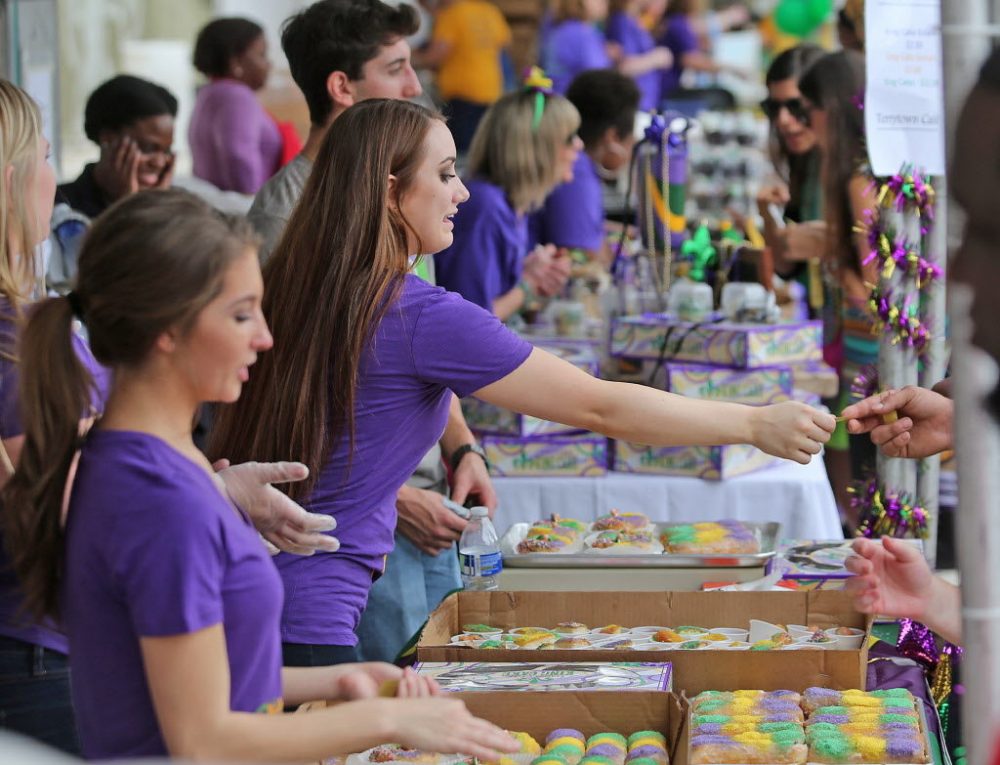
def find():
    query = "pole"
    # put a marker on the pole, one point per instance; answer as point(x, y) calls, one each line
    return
point(966, 34)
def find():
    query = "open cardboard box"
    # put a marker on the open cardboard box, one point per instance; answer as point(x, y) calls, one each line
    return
point(538, 714)
point(694, 671)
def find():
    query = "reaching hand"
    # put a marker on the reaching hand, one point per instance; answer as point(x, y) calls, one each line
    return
point(424, 520)
point(446, 725)
point(772, 194)
point(414, 686)
point(472, 477)
point(792, 430)
point(923, 427)
point(891, 578)
point(805, 241)
point(280, 520)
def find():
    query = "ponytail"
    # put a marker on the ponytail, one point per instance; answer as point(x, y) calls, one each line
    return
point(55, 390)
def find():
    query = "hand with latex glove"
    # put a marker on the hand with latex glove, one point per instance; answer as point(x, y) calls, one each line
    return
point(282, 522)
point(922, 425)
point(891, 577)
point(424, 520)
point(472, 478)
point(792, 430)
point(545, 271)
point(445, 725)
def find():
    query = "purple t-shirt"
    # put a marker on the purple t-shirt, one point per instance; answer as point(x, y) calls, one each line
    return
point(572, 47)
point(430, 343)
point(573, 214)
point(680, 38)
point(235, 144)
point(486, 257)
point(13, 621)
point(153, 549)
point(636, 40)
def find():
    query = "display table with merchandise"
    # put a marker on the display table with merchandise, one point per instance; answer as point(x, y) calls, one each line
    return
point(796, 496)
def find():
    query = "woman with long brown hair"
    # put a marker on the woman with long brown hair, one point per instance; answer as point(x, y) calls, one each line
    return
point(367, 357)
point(833, 89)
point(170, 599)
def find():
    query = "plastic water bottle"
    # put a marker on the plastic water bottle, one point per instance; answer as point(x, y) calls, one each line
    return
point(479, 552)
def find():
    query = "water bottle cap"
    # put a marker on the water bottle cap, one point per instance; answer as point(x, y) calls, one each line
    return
point(479, 512)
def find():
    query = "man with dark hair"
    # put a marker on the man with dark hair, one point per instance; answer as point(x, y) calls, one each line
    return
point(341, 52)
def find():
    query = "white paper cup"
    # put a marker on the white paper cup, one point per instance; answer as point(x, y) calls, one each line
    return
point(808, 642)
point(850, 642)
point(799, 630)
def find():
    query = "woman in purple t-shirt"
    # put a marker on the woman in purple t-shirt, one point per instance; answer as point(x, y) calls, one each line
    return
point(170, 600)
point(367, 358)
point(235, 144)
point(525, 146)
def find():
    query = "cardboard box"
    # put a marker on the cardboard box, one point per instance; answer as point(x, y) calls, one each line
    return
point(660, 336)
point(548, 677)
point(540, 713)
point(712, 463)
point(693, 671)
point(584, 454)
point(763, 385)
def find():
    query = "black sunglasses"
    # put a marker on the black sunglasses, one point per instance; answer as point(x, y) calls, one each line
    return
point(797, 108)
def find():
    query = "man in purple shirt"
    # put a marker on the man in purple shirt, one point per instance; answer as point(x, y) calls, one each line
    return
point(337, 60)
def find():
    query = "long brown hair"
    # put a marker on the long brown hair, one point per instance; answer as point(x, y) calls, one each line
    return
point(836, 84)
point(334, 274)
point(150, 263)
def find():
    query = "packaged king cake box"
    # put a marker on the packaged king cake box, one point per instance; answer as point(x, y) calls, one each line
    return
point(583, 454)
point(660, 336)
point(712, 463)
point(762, 385)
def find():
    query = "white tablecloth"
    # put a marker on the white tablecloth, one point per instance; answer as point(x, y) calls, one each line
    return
point(797, 496)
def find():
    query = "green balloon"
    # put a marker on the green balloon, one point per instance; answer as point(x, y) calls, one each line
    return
point(819, 10)
point(793, 17)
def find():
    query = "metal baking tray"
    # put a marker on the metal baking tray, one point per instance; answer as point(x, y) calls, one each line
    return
point(767, 534)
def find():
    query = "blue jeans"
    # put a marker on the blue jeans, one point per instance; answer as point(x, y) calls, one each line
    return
point(35, 696)
point(413, 585)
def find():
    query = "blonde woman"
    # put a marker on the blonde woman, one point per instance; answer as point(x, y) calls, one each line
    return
point(525, 146)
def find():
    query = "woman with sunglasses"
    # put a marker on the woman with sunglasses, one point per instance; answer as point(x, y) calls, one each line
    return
point(361, 388)
point(525, 146)
point(794, 197)
point(833, 92)
point(794, 228)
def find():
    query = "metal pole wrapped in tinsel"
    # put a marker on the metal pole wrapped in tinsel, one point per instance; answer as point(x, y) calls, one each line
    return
point(661, 191)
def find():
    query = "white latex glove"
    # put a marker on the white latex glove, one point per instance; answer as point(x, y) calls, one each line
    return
point(284, 525)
